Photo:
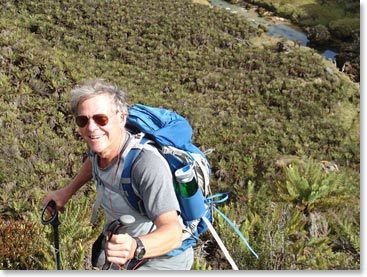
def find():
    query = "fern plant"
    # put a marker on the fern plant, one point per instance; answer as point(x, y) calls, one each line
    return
point(307, 185)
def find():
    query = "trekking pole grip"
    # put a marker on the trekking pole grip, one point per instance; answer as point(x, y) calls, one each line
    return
point(117, 226)
point(54, 218)
point(125, 221)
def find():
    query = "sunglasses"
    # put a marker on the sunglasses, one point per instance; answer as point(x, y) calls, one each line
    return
point(99, 119)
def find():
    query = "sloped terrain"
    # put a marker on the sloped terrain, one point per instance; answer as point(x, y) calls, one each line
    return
point(260, 108)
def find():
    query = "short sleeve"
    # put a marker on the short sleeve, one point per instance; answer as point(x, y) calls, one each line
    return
point(152, 177)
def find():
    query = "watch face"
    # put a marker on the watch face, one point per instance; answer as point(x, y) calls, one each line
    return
point(140, 249)
point(140, 252)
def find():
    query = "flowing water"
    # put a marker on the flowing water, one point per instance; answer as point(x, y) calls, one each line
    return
point(277, 27)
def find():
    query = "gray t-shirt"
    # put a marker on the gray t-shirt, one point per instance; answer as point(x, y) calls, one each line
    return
point(152, 180)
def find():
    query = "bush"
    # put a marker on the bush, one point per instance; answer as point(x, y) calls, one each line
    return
point(343, 28)
point(22, 246)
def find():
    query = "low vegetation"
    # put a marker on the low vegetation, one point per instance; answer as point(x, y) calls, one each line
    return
point(283, 123)
point(329, 13)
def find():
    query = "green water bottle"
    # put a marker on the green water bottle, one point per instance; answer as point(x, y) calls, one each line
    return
point(187, 185)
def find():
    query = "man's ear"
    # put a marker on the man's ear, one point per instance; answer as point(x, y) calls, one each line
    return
point(123, 117)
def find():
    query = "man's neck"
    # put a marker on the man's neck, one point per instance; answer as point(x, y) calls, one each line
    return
point(106, 158)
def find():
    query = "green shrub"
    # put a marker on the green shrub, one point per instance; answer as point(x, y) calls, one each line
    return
point(344, 28)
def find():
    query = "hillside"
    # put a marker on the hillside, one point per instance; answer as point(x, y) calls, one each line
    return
point(329, 24)
point(278, 116)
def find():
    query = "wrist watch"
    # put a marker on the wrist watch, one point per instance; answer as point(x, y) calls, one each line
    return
point(140, 249)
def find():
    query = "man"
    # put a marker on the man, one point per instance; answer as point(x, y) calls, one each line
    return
point(100, 111)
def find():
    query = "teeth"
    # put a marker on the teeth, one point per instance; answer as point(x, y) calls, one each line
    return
point(95, 137)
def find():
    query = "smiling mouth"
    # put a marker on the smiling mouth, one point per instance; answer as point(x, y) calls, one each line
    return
point(95, 137)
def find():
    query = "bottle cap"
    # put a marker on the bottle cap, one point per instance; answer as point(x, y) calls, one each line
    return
point(185, 174)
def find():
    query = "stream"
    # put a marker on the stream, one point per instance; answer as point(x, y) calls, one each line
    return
point(280, 28)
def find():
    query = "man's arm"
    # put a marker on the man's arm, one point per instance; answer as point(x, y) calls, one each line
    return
point(62, 196)
point(167, 237)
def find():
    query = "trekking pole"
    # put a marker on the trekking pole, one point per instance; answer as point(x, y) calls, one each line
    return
point(117, 226)
point(54, 221)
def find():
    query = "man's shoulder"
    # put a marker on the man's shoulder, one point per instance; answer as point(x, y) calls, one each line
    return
point(151, 154)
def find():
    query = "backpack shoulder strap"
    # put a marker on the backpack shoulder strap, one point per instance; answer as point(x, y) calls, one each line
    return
point(134, 200)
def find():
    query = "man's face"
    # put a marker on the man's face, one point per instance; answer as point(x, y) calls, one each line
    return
point(101, 125)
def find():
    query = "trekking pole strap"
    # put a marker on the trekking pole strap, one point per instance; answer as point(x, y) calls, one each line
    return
point(54, 219)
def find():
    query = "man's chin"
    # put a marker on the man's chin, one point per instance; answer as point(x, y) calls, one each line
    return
point(95, 147)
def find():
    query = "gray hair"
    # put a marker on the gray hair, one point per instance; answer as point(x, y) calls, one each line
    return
point(94, 87)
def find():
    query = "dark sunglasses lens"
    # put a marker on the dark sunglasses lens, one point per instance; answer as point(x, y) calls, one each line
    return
point(100, 119)
point(81, 120)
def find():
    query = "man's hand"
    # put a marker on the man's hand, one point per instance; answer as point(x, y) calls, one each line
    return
point(120, 249)
point(60, 199)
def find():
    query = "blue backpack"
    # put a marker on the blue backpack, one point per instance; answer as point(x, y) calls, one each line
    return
point(172, 135)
